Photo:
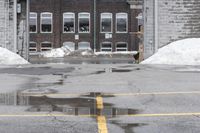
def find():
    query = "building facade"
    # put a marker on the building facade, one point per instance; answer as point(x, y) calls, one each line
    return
point(166, 21)
point(102, 25)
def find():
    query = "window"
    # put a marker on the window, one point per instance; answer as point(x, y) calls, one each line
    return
point(69, 45)
point(46, 22)
point(46, 46)
point(106, 47)
point(68, 22)
point(84, 45)
point(121, 46)
point(33, 22)
point(140, 22)
point(121, 22)
point(32, 47)
point(84, 22)
point(106, 22)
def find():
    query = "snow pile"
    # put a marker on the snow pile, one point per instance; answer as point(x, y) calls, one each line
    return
point(183, 52)
point(56, 53)
point(9, 58)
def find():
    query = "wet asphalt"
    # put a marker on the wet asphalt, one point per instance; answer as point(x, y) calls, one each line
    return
point(61, 98)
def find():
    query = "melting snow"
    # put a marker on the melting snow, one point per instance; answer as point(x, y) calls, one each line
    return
point(9, 58)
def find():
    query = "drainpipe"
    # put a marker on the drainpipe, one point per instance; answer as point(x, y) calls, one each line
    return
point(95, 13)
point(156, 25)
point(15, 27)
point(27, 27)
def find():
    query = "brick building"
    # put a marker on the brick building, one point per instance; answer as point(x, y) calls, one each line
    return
point(103, 25)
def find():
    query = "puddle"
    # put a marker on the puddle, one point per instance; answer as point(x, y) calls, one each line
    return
point(121, 70)
point(83, 105)
point(128, 127)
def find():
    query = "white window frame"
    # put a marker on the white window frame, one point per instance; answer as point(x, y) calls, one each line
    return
point(32, 47)
point(125, 15)
point(48, 18)
point(68, 42)
point(106, 48)
point(66, 13)
point(106, 17)
point(84, 42)
point(79, 16)
point(49, 48)
point(34, 13)
point(125, 49)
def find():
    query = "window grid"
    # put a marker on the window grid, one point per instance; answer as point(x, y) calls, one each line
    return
point(46, 46)
point(121, 46)
point(106, 47)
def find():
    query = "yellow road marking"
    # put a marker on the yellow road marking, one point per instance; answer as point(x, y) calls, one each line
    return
point(116, 94)
point(100, 118)
point(102, 126)
point(99, 101)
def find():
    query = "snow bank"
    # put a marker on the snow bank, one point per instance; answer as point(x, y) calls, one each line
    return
point(183, 52)
point(56, 53)
point(9, 58)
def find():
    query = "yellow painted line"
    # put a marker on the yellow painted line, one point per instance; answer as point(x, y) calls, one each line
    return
point(117, 94)
point(101, 119)
point(99, 101)
point(163, 115)
point(155, 93)
point(102, 126)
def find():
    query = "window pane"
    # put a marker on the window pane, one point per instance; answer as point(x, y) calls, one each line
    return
point(121, 22)
point(84, 23)
point(121, 46)
point(68, 20)
point(33, 22)
point(106, 47)
point(32, 47)
point(46, 46)
point(69, 45)
point(84, 45)
point(106, 22)
point(46, 22)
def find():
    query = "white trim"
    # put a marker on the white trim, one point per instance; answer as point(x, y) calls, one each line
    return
point(126, 17)
point(125, 48)
point(36, 21)
point(106, 48)
point(66, 13)
point(109, 18)
point(79, 21)
point(48, 18)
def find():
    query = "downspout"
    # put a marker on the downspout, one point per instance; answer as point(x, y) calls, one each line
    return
point(95, 13)
point(15, 27)
point(27, 28)
point(156, 25)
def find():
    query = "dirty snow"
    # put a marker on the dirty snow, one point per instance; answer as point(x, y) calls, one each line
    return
point(9, 58)
point(183, 52)
point(65, 51)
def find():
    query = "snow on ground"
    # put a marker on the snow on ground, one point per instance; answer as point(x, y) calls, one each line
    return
point(64, 51)
point(183, 52)
point(9, 58)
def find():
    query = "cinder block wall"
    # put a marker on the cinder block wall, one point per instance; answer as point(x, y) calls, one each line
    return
point(177, 19)
point(7, 24)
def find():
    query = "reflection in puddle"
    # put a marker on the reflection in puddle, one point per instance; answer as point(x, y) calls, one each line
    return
point(128, 127)
point(84, 105)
